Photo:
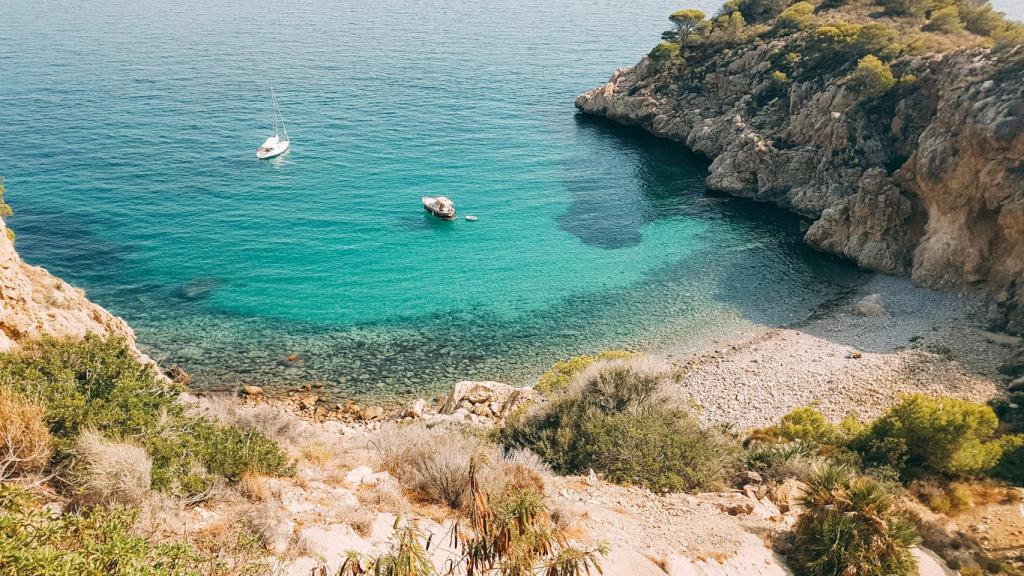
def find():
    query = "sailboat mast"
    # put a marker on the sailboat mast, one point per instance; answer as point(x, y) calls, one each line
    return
point(273, 101)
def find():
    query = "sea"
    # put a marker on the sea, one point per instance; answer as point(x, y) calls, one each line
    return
point(132, 126)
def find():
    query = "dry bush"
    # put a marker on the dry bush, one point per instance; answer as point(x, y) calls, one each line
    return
point(317, 453)
point(514, 471)
point(254, 487)
point(436, 461)
point(361, 520)
point(285, 428)
point(268, 524)
point(109, 472)
point(385, 496)
point(160, 515)
point(432, 461)
point(25, 441)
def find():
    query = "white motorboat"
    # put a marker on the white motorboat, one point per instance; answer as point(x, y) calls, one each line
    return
point(275, 145)
point(440, 206)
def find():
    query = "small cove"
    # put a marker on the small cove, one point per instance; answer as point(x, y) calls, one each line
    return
point(590, 236)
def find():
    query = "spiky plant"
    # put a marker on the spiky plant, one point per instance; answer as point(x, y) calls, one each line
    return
point(851, 527)
point(408, 556)
point(516, 537)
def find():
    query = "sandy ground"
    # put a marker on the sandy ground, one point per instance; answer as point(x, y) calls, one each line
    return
point(845, 362)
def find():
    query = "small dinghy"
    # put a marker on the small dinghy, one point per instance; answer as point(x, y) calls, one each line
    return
point(472, 218)
point(275, 145)
point(440, 206)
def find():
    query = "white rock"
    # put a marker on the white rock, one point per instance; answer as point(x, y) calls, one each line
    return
point(928, 564)
point(485, 393)
point(415, 408)
point(360, 475)
point(870, 305)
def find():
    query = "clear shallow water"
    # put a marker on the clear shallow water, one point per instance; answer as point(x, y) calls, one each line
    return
point(135, 178)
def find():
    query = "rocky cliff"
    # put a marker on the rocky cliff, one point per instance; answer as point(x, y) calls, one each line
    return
point(34, 303)
point(926, 181)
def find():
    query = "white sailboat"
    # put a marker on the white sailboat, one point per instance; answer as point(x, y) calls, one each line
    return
point(275, 145)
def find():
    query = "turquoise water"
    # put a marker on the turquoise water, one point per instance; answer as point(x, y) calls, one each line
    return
point(134, 177)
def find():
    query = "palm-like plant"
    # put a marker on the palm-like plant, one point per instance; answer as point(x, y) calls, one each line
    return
point(851, 527)
point(516, 537)
point(408, 556)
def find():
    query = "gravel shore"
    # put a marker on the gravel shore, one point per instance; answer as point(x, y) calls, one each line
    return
point(845, 361)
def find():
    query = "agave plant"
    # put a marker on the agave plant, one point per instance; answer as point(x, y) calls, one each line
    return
point(851, 527)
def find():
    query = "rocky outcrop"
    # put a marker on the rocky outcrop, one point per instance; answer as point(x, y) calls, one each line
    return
point(927, 181)
point(485, 399)
point(34, 303)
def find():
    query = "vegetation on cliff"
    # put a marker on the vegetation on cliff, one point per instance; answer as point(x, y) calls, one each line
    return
point(85, 418)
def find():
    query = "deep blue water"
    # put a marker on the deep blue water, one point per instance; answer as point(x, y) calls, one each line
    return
point(134, 177)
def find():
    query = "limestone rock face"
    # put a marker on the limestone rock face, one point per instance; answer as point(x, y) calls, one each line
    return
point(34, 303)
point(928, 181)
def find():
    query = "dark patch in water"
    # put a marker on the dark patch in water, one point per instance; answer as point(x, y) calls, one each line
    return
point(198, 288)
point(611, 201)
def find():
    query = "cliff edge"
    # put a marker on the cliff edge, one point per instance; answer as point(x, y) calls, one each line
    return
point(34, 303)
point(922, 177)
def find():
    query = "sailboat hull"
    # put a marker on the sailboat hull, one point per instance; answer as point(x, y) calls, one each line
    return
point(272, 152)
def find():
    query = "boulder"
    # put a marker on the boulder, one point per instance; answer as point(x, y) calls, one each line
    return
point(252, 391)
point(870, 306)
point(415, 409)
point(481, 397)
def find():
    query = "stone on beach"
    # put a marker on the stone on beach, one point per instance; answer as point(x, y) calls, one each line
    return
point(870, 306)
point(481, 398)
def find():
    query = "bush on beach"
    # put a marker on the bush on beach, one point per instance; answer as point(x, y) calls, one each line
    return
point(924, 435)
point(618, 418)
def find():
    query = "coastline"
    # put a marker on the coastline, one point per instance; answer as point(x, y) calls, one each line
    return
point(749, 375)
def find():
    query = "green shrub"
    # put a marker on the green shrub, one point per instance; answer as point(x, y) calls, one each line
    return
point(1009, 36)
point(851, 525)
point(875, 38)
point(728, 29)
point(664, 51)
point(778, 461)
point(799, 16)
point(686, 21)
point(5, 209)
point(939, 435)
point(101, 542)
point(558, 377)
point(979, 18)
point(1011, 461)
point(872, 78)
point(808, 425)
point(945, 20)
point(905, 7)
point(760, 11)
point(97, 384)
point(618, 420)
